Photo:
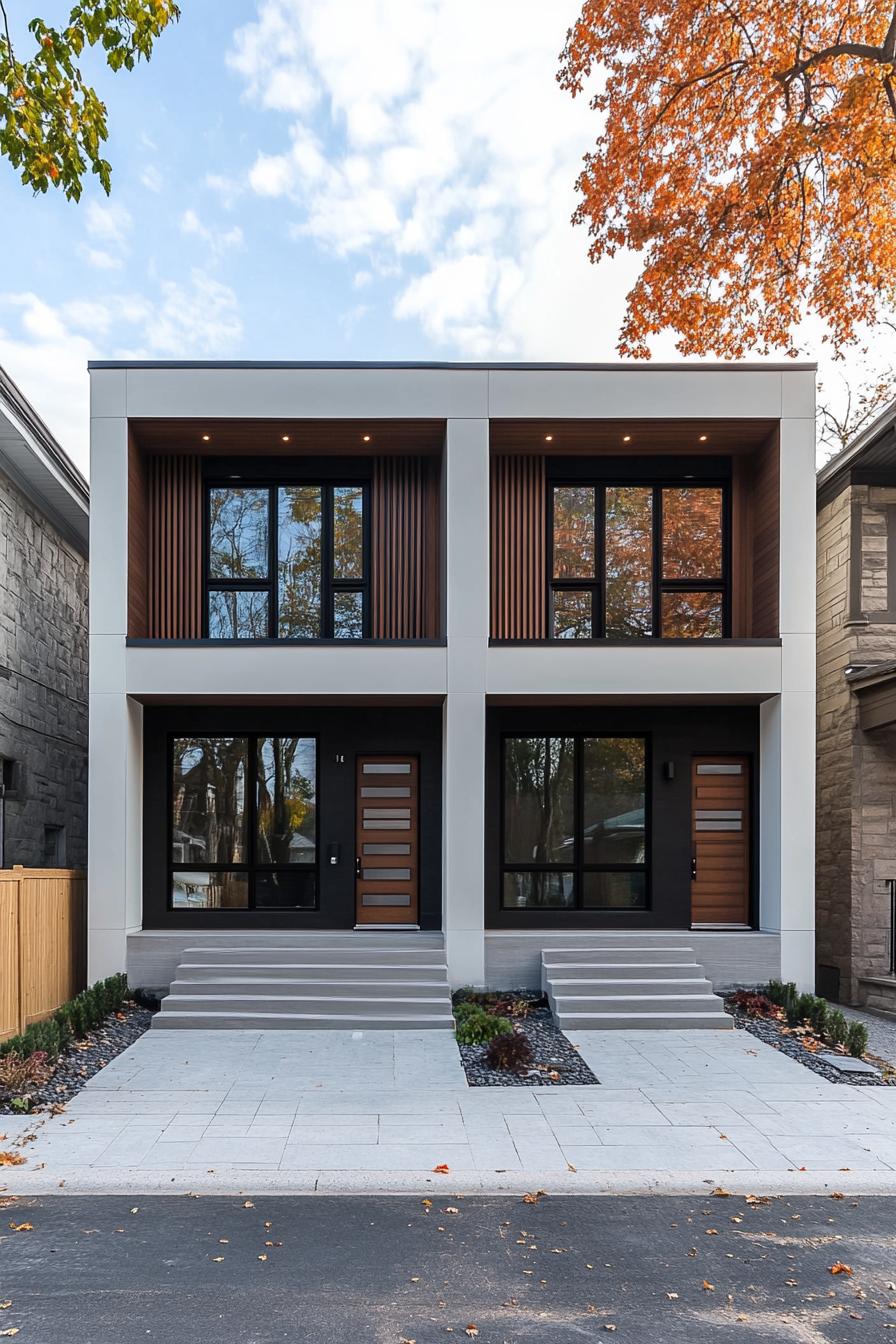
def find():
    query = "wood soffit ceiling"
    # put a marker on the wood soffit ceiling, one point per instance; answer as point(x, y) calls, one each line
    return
point(426, 437)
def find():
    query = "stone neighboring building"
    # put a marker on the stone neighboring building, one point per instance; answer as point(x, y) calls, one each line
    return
point(43, 644)
point(856, 771)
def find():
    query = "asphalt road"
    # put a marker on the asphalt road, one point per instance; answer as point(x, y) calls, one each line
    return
point(335, 1270)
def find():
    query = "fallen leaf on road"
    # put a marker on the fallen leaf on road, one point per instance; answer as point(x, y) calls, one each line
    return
point(22, 1227)
point(609, 1326)
point(4, 1306)
point(262, 1257)
point(442, 1169)
point(673, 1297)
point(835, 1194)
point(533, 1197)
point(721, 1193)
point(711, 1231)
point(754, 1200)
point(217, 1259)
point(708, 1287)
point(136, 1210)
point(247, 1204)
point(403, 1340)
point(427, 1204)
point(452, 1209)
point(838, 1267)
point(13, 1330)
point(471, 1330)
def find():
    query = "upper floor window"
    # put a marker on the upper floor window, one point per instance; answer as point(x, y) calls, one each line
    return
point(287, 562)
point(638, 562)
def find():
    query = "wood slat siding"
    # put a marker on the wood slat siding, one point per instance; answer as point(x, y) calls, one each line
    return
point(174, 589)
point(404, 529)
point(42, 943)
point(766, 540)
point(138, 541)
point(517, 519)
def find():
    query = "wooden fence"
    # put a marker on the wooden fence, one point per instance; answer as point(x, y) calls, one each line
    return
point(43, 951)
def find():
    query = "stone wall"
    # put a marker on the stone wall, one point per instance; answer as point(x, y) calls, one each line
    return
point(43, 685)
point(856, 818)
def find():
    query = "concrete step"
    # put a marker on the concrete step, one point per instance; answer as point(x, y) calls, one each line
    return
point(642, 1021)
point(311, 956)
point(336, 1004)
point(285, 987)
point(302, 970)
point(640, 984)
point(643, 970)
point(614, 956)
point(255, 1021)
point(617, 1003)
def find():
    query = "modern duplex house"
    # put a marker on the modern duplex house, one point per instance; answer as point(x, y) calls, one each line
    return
point(857, 720)
point(44, 509)
point(449, 666)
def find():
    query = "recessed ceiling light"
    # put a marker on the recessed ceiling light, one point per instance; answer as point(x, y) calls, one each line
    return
point(366, 438)
point(703, 438)
point(626, 438)
point(549, 438)
point(206, 437)
point(285, 438)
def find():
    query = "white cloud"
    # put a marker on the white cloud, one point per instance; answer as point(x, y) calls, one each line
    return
point(438, 143)
point(45, 348)
point(218, 241)
point(109, 226)
point(151, 178)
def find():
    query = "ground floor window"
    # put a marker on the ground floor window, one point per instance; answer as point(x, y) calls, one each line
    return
point(243, 823)
point(574, 822)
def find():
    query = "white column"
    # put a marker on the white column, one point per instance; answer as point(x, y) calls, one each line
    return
point(115, 723)
point(787, 723)
point(467, 618)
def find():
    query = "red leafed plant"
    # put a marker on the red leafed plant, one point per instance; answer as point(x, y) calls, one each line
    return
point(752, 1004)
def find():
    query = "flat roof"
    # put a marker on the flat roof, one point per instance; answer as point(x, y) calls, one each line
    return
point(621, 366)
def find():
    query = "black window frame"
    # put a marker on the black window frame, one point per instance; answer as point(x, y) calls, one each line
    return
point(329, 585)
point(251, 867)
point(597, 586)
point(578, 867)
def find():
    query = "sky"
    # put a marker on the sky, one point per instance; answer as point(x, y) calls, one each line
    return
point(317, 179)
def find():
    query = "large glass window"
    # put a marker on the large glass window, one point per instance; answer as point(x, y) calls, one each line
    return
point(243, 823)
point(638, 561)
point(575, 831)
point(287, 562)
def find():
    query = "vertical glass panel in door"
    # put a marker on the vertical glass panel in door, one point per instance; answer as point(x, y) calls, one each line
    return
point(348, 532)
point(286, 800)
point(614, 800)
point(299, 561)
point(210, 890)
point(692, 533)
point(238, 533)
point(235, 613)
point(539, 777)
point(629, 562)
point(573, 532)
point(208, 792)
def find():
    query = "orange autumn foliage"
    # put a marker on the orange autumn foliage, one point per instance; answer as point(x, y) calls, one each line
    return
point(748, 154)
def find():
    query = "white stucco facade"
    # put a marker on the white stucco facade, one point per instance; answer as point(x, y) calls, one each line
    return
point(463, 674)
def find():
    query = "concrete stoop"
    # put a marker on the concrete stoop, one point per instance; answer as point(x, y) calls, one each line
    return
point(630, 984)
point(367, 981)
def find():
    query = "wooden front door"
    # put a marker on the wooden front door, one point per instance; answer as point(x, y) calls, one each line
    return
point(720, 838)
point(387, 840)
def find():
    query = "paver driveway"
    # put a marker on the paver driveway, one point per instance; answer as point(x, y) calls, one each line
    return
point(330, 1111)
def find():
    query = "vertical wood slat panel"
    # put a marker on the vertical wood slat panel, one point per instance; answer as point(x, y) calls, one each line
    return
point(404, 551)
point(518, 584)
point(766, 540)
point(175, 547)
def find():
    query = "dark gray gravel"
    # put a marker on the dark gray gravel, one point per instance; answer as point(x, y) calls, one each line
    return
point(261, 1269)
point(768, 1029)
point(82, 1060)
point(556, 1062)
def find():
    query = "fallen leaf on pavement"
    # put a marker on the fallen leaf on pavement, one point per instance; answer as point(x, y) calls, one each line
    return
point(721, 1193)
point(442, 1169)
point(570, 1167)
point(838, 1267)
point(835, 1194)
point(11, 1159)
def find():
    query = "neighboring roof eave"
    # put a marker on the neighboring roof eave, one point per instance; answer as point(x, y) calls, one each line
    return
point(35, 461)
point(852, 453)
point(873, 674)
point(620, 366)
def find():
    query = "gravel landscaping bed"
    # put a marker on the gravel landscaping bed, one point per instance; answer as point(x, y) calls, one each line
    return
point(85, 1058)
point(556, 1062)
point(773, 1032)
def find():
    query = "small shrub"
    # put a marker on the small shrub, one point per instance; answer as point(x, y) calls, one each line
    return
point(478, 1027)
point(857, 1039)
point(818, 1016)
point(71, 1021)
point(775, 992)
point(803, 1007)
point(18, 1073)
point(22, 1104)
point(837, 1028)
point(752, 1004)
point(510, 1052)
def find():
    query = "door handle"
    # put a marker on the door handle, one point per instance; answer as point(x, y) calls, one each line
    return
point(358, 866)
point(694, 869)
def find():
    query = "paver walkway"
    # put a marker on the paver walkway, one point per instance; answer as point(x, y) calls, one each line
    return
point(345, 1111)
